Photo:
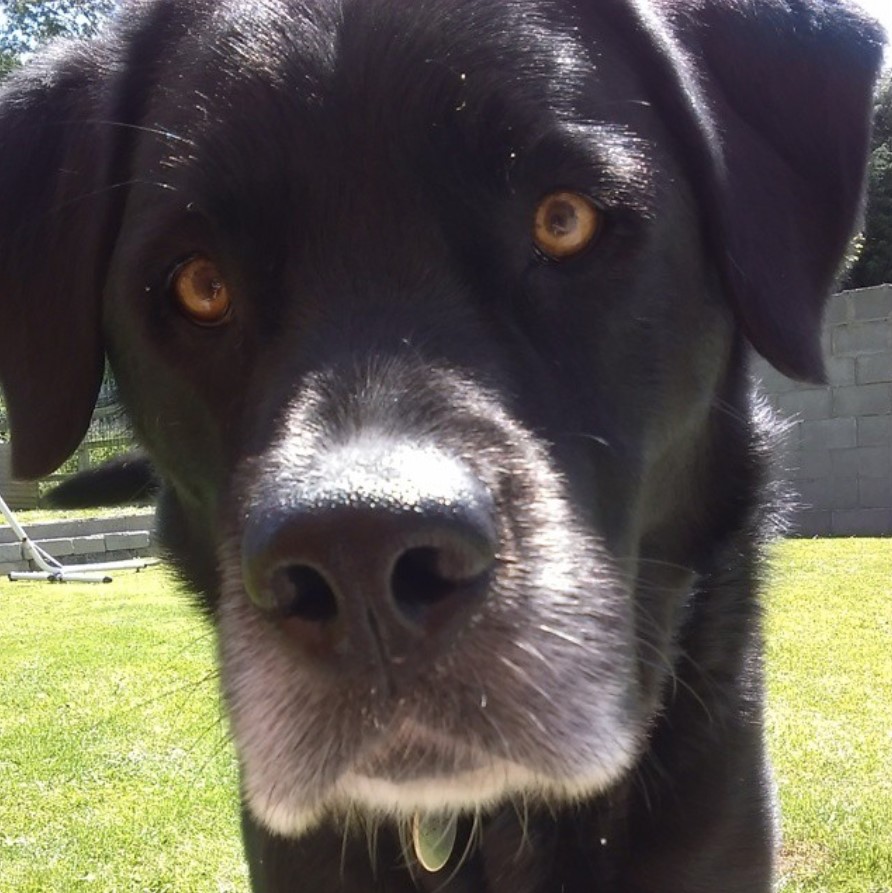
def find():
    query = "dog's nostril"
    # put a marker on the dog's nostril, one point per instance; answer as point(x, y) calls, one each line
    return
point(418, 579)
point(302, 592)
point(426, 575)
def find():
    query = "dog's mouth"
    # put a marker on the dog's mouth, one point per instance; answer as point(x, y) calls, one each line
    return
point(411, 753)
point(414, 770)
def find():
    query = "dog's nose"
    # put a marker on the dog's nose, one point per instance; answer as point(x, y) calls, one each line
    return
point(384, 555)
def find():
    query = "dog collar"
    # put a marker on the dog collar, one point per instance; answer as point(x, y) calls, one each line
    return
point(433, 838)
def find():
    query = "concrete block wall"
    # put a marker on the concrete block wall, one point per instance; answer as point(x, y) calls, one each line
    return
point(839, 449)
point(80, 542)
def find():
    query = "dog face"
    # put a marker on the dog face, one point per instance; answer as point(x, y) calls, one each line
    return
point(404, 330)
point(433, 317)
point(395, 335)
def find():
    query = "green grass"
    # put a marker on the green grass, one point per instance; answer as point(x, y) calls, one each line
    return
point(114, 767)
point(830, 712)
point(116, 776)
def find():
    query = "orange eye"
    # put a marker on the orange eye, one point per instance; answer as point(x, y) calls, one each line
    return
point(201, 292)
point(566, 223)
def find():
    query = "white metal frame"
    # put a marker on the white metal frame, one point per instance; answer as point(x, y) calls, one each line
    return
point(53, 571)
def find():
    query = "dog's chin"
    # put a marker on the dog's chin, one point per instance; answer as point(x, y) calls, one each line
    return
point(309, 754)
point(379, 787)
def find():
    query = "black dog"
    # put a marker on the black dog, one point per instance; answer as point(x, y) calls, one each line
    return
point(434, 317)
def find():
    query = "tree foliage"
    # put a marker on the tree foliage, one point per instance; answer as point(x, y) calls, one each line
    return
point(30, 23)
point(874, 263)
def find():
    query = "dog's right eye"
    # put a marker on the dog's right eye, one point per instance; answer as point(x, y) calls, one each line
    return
point(566, 223)
point(200, 291)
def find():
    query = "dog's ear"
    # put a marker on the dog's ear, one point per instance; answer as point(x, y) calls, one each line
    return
point(789, 85)
point(771, 104)
point(55, 198)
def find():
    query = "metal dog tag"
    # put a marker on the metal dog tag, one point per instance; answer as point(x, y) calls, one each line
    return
point(433, 839)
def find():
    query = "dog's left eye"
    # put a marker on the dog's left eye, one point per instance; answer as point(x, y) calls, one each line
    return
point(200, 291)
point(566, 223)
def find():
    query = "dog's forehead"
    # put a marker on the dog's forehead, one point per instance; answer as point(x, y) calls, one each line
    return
point(324, 46)
point(337, 79)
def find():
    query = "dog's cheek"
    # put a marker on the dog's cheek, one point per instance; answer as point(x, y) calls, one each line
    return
point(573, 637)
point(290, 741)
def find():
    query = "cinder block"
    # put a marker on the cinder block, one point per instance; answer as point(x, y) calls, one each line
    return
point(8, 568)
point(831, 434)
point(89, 545)
point(874, 367)
point(47, 530)
point(811, 523)
point(815, 494)
point(842, 493)
point(58, 548)
point(805, 404)
point(875, 493)
point(809, 464)
point(871, 303)
point(838, 309)
point(862, 522)
point(10, 552)
point(871, 462)
point(134, 539)
point(875, 430)
point(861, 337)
point(841, 370)
point(861, 400)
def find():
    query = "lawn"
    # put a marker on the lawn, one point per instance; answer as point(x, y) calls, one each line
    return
point(830, 712)
point(117, 777)
point(115, 769)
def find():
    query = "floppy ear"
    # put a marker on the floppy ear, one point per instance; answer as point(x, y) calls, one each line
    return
point(55, 237)
point(771, 103)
